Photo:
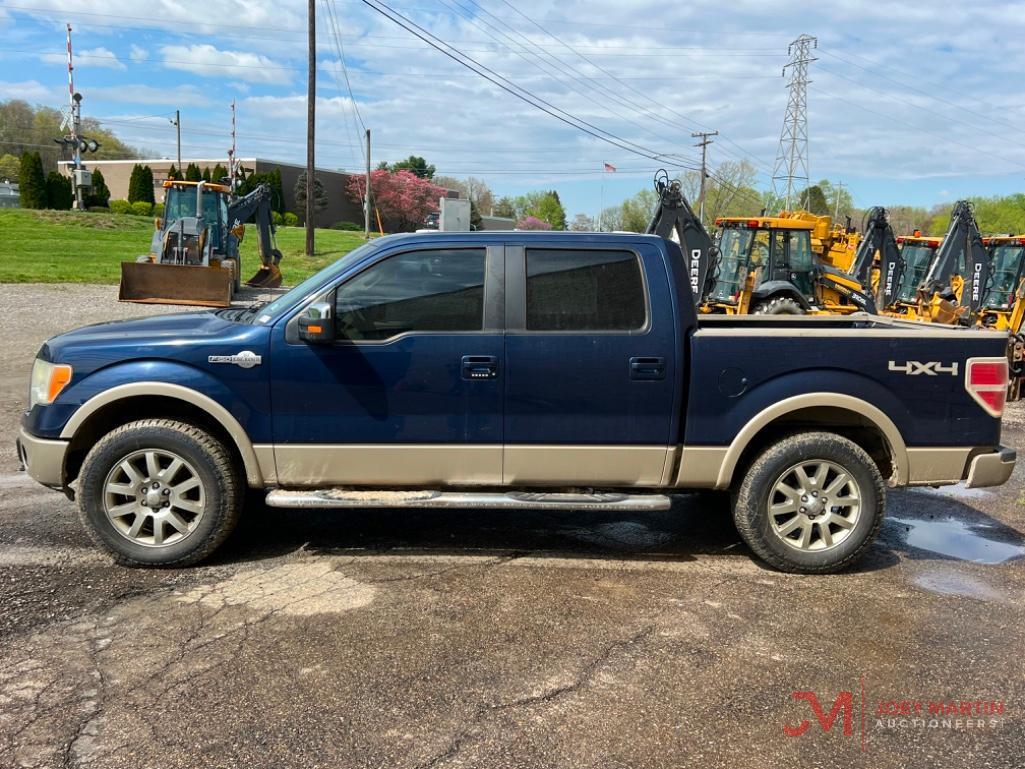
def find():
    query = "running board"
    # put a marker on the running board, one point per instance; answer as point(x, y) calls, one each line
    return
point(513, 500)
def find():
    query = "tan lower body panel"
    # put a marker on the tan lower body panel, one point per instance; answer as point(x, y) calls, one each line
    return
point(936, 466)
point(447, 465)
point(396, 465)
point(585, 465)
point(700, 466)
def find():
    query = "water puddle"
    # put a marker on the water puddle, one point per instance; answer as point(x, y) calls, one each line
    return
point(957, 539)
point(952, 583)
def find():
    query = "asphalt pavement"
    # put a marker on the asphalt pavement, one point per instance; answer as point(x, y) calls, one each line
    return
point(501, 639)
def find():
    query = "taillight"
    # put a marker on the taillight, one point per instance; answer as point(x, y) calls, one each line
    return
point(986, 382)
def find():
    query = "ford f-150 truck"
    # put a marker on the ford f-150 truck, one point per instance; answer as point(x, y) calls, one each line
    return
point(509, 369)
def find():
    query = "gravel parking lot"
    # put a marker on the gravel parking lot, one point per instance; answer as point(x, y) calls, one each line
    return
point(500, 639)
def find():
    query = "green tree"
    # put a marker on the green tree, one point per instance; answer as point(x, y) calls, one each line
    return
point(319, 195)
point(148, 192)
point(635, 213)
point(59, 194)
point(814, 200)
point(9, 167)
point(416, 164)
point(545, 206)
point(32, 181)
point(505, 207)
point(219, 173)
point(100, 193)
point(173, 173)
point(193, 174)
point(206, 174)
point(475, 219)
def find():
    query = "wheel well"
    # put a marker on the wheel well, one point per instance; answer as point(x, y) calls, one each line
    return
point(831, 419)
point(133, 408)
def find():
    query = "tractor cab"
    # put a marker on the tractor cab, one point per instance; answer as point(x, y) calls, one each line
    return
point(778, 250)
point(1007, 256)
point(917, 253)
point(195, 224)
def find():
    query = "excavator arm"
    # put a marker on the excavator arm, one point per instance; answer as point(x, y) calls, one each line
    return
point(961, 255)
point(879, 239)
point(673, 215)
point(257, 205)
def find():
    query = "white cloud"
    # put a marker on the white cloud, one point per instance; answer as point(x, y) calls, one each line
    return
point(138, 53)
point(136, 93)
point(87, 58)
point(28, 90)
point(204, 59)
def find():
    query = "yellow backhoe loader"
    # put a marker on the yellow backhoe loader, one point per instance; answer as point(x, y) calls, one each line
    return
point(1003, 305)
point(194, 255)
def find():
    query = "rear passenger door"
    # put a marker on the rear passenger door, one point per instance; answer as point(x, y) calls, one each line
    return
point(590, 368)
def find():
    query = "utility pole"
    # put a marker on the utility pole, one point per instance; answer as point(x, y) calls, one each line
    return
point(178, 129)
point(792, 156)
point(75, 121)
point(311, 112)
point(366, 196)
point(232, 162)
point(836, 209)
point(705, 137)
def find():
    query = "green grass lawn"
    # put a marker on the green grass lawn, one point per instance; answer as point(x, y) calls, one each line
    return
point(73, 247)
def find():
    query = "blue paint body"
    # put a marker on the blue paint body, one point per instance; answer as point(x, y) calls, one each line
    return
point(549, 388)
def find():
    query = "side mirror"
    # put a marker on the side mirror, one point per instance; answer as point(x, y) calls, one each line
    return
point(317, 324)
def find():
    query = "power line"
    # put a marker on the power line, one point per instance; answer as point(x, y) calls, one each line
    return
point(510, 87)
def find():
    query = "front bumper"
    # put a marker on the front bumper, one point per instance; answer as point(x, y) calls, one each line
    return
point(991, 469)
point(43, 458)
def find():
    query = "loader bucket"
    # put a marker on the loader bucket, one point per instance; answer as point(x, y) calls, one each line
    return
point(153, 283)
point(266, 277)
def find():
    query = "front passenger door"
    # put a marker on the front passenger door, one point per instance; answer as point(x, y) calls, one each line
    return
point(409, 394)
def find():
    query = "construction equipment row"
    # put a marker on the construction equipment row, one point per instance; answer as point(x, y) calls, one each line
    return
point(802, 263)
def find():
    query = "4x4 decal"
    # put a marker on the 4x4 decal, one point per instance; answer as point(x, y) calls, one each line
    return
point(929, 367)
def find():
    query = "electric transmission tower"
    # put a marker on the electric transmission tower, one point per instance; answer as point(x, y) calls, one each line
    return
point(790, 175)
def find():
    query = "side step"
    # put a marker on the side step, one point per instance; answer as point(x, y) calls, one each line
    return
point(513, 500)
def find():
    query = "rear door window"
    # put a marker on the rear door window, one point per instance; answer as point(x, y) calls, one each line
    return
point(584, 290)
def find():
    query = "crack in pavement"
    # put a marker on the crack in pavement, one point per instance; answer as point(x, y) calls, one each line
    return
point(583, 677)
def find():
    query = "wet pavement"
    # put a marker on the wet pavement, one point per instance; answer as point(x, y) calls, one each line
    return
point(506, 639)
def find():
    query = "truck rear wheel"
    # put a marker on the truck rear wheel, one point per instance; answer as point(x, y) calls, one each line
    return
point(812, 503)
point(159, 493)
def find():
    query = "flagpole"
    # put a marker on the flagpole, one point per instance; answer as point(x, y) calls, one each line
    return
point(601, 211)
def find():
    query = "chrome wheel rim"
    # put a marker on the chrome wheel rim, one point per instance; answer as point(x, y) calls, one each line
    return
point(814, 505)
point(154, 497)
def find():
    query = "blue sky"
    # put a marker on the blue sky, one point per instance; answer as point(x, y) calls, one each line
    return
point(914, 103)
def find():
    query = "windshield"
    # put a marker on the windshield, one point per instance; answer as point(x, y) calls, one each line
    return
point(916, 264)
point(1007, 264)
point(734, 246)
point(268, 312)
point(181, 203)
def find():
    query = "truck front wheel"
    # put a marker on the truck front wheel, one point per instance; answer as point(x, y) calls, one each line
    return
point(812, 503)
point(158, 492)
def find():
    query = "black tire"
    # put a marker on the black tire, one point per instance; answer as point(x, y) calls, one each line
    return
point(758, 487)
point(780, 305)
point(204, 458)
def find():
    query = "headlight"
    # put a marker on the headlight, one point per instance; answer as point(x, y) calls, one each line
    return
point(48, 379)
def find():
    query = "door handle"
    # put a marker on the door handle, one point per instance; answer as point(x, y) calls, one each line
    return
point(647, 368)
point(480, 366)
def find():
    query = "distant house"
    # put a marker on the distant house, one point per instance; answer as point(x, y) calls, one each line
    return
point(9, 195)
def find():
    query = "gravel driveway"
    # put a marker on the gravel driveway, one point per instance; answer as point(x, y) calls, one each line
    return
point(500, 639)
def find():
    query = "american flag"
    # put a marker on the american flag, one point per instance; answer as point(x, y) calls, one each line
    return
point(609, 167)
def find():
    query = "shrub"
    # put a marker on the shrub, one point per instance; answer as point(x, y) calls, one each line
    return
point(120, 207)
point(533, 223)
point(277, 218)
point(59, 194)
point(290, 219)
point(142, 208)
point(32, 181)
point(158, 209)
point(347, 226)
point(100, 193)
point(98, 209)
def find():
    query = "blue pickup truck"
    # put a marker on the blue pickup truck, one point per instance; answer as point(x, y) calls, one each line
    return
point(509, 369)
